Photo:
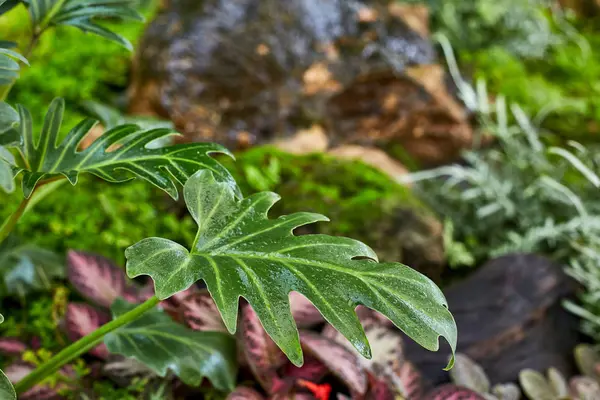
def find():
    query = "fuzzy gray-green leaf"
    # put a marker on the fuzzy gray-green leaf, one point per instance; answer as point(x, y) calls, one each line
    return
point(240, 252)
point(7, 392)
point(161, 344)
point(118, 155)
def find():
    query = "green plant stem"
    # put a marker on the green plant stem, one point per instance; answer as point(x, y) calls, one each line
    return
point(82, 346)
point(10, 223)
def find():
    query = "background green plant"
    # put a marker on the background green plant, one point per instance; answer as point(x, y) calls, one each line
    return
point(98, 70)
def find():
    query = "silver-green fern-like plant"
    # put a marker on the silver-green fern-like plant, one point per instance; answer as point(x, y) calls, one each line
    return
point(518, 194)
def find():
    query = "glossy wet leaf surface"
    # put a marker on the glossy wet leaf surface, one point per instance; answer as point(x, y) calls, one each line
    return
point(239, 251)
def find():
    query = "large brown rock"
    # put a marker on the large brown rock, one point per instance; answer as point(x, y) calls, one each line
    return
point(509, 317)
point(242, 72)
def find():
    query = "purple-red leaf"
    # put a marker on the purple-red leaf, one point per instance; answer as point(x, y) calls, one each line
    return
point(453, 392)
point(292, 396)
point(262, 354)
point(386, 346)
point(18, 371)
point(11, 346)
point(81, 320)
point(244, 393)
point(200, 313)
point(367, 315)
point(380, 390)
point(341, 362)
point(408, 381)
point(96, 278)
point(304, 312)
point(313, 370)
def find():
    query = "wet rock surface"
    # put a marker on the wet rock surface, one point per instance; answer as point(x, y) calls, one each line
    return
point(245, 72)
point(509, 317)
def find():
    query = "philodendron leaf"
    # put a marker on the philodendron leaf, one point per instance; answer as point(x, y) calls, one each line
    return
point(239, 251)
point(118, 155)
point(7, 392)
point(161, 344)
point(82, 14)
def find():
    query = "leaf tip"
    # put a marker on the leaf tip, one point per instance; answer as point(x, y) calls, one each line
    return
point(450, 362)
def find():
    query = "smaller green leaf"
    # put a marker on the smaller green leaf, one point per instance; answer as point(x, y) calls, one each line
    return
point(162, 344)
point(119, 155)
point(7, 392)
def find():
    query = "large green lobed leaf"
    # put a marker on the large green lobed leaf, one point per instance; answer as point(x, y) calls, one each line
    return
point(118, 155)
point(161, 344)
point(240, 252)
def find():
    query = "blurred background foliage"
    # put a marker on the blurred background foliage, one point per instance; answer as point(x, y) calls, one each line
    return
point(501, 199)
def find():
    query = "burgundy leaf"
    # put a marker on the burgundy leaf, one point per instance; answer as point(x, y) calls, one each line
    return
point(201, 313)
point(18, 371)
point(386, 346)
point(82, 319)
point(179, 297)
point(453, 392)
point(11, 346)
point(313, 370)
point(262, 354)
point(380, 390)
point(145, 292)
point(303, 311)
point(292, 396)
point(244, 393)
point(96, 278)
point(341, 362)
point(408, 381)
point(366, 314)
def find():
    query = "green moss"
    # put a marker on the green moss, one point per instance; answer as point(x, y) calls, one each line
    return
point(99, 217)
point(361, 201)
point(565, 82)
point(68, 63)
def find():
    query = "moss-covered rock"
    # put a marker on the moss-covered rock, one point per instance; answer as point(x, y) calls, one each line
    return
point(361, 202)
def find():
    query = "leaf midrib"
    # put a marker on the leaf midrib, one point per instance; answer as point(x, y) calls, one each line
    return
point(126, 332)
